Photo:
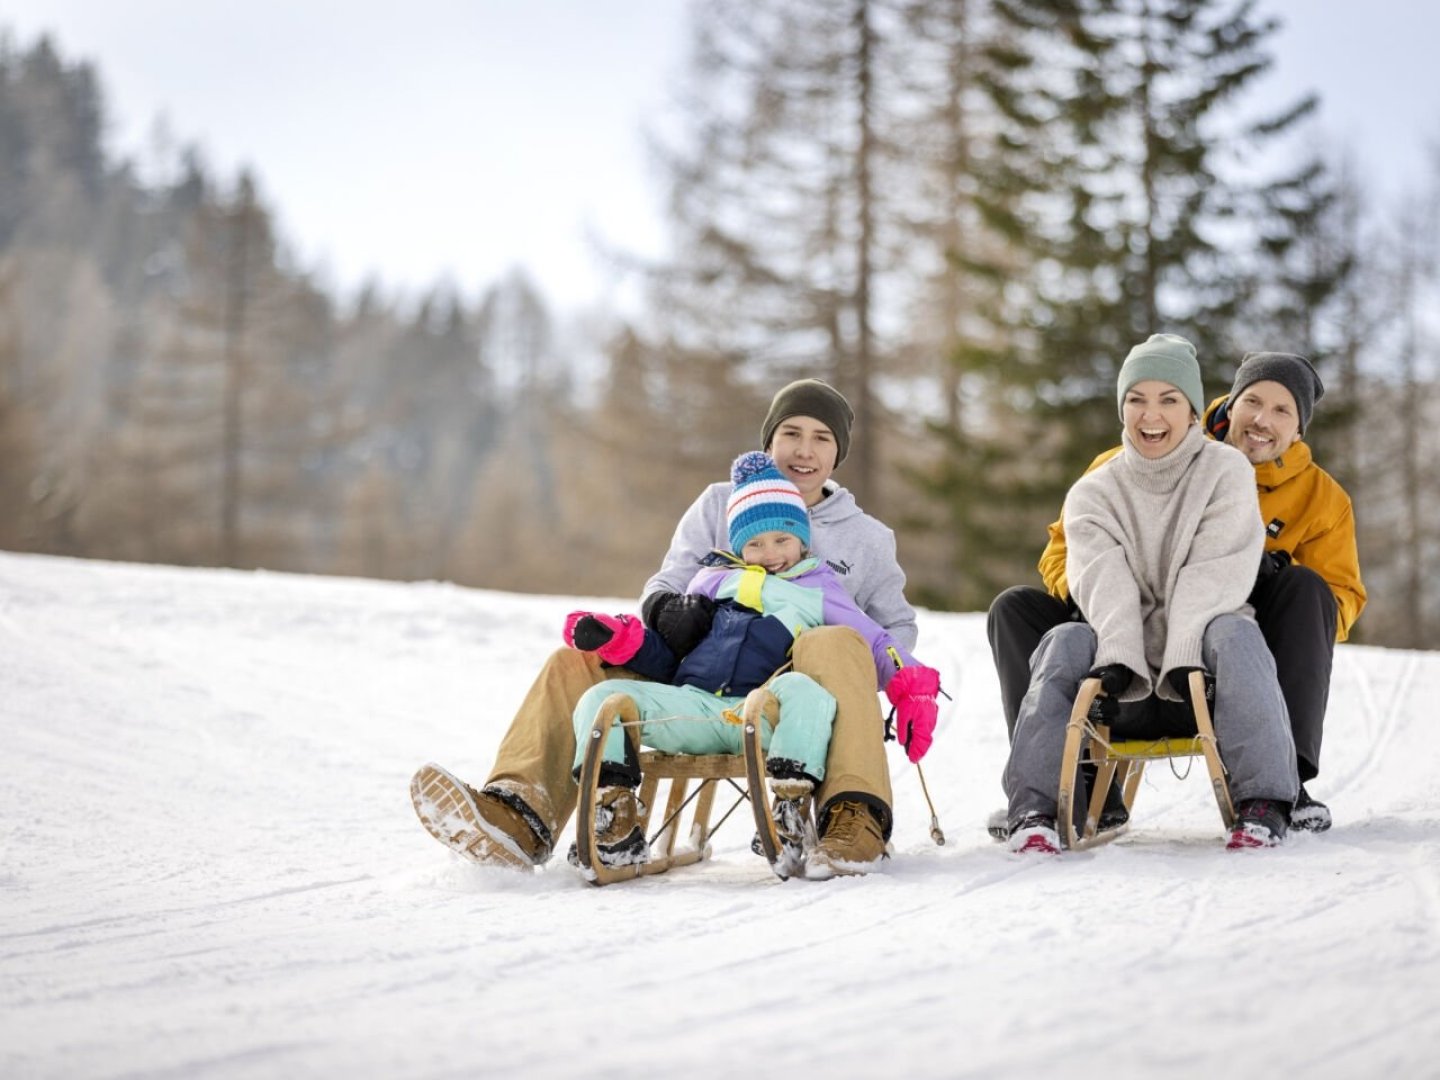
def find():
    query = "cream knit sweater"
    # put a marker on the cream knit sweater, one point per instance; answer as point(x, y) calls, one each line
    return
point(1158, 548)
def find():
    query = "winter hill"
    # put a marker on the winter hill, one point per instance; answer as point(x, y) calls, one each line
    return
point(211, 868)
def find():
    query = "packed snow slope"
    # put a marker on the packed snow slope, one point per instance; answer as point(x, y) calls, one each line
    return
point(211, 869)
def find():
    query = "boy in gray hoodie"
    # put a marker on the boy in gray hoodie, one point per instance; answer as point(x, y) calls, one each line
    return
point(530, 793)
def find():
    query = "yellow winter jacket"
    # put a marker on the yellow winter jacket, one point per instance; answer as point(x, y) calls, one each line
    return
point(1307, 515)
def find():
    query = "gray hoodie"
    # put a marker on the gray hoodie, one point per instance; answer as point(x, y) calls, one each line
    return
point(857, 547)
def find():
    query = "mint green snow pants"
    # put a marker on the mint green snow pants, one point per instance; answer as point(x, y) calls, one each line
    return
point(688, 720)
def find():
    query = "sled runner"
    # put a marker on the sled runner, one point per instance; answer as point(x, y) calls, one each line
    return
point(785, 840)
point(1123, 761)
point(662, 848)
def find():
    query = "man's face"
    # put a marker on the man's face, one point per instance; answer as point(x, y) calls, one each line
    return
point(1264, 421)
point(805, 450)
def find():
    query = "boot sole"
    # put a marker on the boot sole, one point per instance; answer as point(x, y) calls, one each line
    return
point(449, 814)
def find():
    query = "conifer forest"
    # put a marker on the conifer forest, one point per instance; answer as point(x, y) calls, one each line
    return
point(962, 213)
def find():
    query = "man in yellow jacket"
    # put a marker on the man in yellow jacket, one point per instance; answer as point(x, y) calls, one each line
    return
point(1308, 591)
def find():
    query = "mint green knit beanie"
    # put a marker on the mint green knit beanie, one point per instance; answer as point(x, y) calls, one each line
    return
point(1169, 358)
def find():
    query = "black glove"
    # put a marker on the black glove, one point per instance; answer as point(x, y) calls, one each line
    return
point(1114, 678)
point(681, 621)
point(590, 633)
point(1179, 680)
point(1104, 710)
point(1271, 563)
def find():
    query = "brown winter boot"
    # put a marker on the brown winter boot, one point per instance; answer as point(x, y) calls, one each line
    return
point(792, 810)
point(619, 840)
point(852, 844)
point(477, 824)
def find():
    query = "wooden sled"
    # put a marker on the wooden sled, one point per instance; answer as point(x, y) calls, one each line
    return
point(664, 849)
point(1123, 762)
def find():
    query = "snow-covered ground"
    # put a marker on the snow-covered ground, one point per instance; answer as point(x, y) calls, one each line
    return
point(210, 868)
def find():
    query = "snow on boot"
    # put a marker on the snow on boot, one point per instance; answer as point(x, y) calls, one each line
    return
point(998, 825)
point(479, 825)
point(1258, 823)
point(852, 844)
point(1034, 834)
point(793, 825)
point(1309, 815)
point(619, 840)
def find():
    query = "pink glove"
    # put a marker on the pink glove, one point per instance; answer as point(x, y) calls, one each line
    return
point(912, 691)
point(614, 638)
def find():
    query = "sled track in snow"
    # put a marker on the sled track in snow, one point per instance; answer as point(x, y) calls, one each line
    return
point(1378, 717)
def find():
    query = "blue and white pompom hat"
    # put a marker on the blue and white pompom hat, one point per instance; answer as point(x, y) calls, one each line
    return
point(762, 500)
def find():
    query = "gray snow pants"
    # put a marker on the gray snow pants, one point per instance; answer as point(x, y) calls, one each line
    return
point(1251, 725)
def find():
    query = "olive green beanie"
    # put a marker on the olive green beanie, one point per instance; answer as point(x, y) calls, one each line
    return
point(811, 397)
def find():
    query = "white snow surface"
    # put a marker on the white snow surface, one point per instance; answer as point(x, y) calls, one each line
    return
point(211, 868)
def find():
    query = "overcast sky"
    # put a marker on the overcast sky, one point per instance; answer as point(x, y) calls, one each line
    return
point(460, 138)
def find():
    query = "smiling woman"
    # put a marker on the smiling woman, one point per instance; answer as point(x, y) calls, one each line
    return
point(1162, 544)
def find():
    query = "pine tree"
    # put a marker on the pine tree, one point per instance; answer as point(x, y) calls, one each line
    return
point(1144, 227)
point(776, 200)
point(974, 139)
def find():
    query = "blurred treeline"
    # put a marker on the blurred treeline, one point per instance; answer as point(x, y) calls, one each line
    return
point(962, 213)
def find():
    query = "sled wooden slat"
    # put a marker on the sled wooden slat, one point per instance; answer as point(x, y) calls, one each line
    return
point(696, 767)
point(1123, 762)
point(1156, 748)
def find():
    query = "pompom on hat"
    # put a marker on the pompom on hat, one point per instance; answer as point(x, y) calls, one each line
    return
point(1290, 370)
point(1168, 358)
point(762, 500)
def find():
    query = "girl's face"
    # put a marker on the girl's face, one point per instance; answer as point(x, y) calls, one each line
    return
point(1157, 416)
point(775, 551)
point(805, 450)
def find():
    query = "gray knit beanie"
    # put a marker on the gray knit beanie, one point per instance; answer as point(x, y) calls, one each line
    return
point(1290, 370)
point(811, 397)
point(1166, 357)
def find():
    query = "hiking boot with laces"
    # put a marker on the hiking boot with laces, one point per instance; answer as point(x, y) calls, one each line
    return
point(1034, 834)
point(852, 844)
point(482, 826)
point(1113, 814)
point(1309, 815)
point(793, 825)
point(619, 839)
point(1258, 823)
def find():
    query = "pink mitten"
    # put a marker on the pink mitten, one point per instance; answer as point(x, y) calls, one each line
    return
point(614, 638)
point(912, 691)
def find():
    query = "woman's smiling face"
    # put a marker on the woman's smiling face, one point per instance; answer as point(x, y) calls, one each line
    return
point(1157, 416)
